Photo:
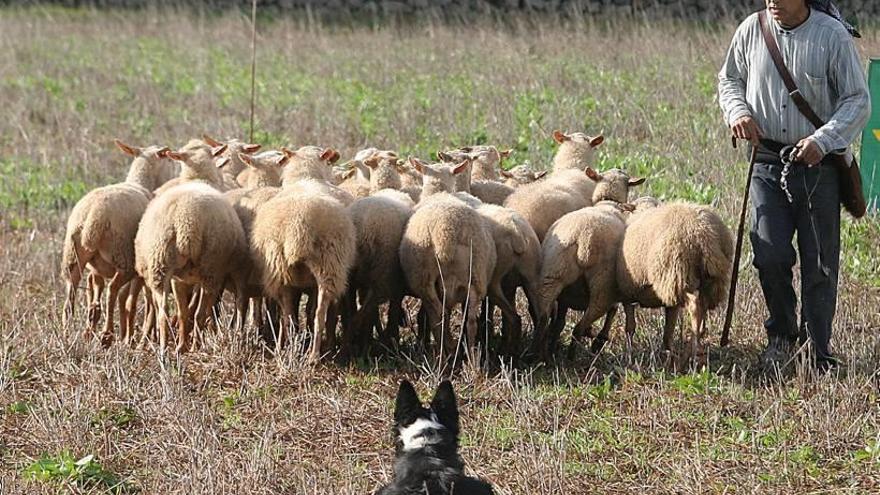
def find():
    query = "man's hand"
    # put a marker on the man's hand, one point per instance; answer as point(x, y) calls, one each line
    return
point(745, 127)
point(808, 152)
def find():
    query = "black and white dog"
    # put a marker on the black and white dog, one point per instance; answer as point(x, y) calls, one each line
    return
point(426, 449)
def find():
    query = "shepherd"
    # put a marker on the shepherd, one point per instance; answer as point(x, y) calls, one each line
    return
point(796, 190)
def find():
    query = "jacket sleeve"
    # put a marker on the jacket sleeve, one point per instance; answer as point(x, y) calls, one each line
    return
point(853, 106)
point(732, 80)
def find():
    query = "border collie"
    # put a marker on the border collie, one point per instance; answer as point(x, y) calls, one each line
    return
point(426, 447)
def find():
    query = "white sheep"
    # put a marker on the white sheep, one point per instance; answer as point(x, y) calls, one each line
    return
point(100, 235)
point(191, 237)
point(565, 190)
point(675, 255)
point(379, 221)
point(579, 253)
point(447, 255)
point(197, 161)
point(235, 172)
point(522, 175)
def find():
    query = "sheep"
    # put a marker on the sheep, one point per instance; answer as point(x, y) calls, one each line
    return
point(483, 179)
point(611, 186)
point(100, 234)
point(565, 190)
point(304, 239)
point(522, 175)
point(309, 170)
point(518, 259)
point(235, 172)
point(675, 255)
point(580, 246)
point(197, 164)
point(447, 254)
point(262, 185)
point(379, 222)
point(190, 236)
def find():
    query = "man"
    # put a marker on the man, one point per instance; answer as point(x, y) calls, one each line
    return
point(819, 52)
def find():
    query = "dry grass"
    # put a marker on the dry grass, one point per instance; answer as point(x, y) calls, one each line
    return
point(233, 420)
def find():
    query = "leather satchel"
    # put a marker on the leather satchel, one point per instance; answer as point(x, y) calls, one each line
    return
point(852, 196)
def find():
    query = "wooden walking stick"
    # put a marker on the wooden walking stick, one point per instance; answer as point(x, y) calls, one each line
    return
point(734, 276)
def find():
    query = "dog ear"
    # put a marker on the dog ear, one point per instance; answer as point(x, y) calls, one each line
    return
point(407, 404)
point(445, 407)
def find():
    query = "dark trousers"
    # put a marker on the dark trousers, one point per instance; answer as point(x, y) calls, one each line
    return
point(814, 213)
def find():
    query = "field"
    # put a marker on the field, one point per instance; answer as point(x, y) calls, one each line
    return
point(233, 419)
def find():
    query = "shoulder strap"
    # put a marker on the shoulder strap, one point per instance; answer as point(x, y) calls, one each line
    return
point(793, 90)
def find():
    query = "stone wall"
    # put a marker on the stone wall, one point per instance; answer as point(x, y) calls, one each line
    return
point(863, 10)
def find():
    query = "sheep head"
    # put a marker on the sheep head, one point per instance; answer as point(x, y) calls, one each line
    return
point(439, 177)
point(310, 162)
point(612, 185)
point(576, 150)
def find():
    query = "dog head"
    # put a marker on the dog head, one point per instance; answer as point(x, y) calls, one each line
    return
point(417, 427)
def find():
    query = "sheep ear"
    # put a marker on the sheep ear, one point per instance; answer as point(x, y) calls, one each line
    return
point(596, 141)
point(417, 164)
point(636, 181)
point(175, 155)
point(128, 150)
point(163, 152)
point(348, 173)
point(330, 155)
point(211, 141)
point(505, 153)
point(461, 167)
point(560, 137)
point(444, 156)
point(540, 174)
point(287, 152)
point(505, 174)
point(282, 160)
point(218, 150)
point(247, 160)
point(251, 148)
point(223, 162)
point(371, 162)
point(592, 174)
point(628, 207)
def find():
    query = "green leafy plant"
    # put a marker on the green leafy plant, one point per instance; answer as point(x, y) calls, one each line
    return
point(84, 472)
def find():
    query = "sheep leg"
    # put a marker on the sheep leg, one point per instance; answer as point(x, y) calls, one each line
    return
point(148, 329)
point(600, 303)
point(604, 335)
point(159, 300)
point(391, 335)
point(134, 291)
point(698, 321)
point(472, 311)
point(96, 291)
point(121, 297)
point(332, 321)
point(672, 316)
point(74, 278)
point(511, 322)
point(321, 309)
point(183, 296)
point(630, 311)
point(289, 305)
point(116, 284)
point(205, 316)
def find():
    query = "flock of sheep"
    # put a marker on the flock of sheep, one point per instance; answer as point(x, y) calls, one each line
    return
point(273, 226)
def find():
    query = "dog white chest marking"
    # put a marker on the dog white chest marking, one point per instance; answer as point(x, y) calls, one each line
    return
point(413, 436)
